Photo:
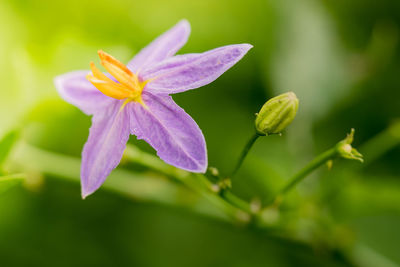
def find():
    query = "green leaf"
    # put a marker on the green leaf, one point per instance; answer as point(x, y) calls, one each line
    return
point(8, 181)
point(6, 144)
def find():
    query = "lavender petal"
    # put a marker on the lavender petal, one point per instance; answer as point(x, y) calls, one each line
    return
point(104, 148)
point(185, 72)
point(76, 90)
point(170, 131)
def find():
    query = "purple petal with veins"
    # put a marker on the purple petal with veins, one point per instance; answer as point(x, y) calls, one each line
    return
point(185, 72)
point(170, 131)
point(104, 148)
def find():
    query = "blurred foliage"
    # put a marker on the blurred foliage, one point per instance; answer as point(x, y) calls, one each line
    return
point(6, 145)
point(341, 58)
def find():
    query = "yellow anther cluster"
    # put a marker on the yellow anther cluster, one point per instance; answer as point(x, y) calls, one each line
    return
point(128, 86)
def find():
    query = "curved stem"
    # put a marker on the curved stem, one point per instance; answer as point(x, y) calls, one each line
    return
point(245, 151)
point(306, 170)
point(236, 201)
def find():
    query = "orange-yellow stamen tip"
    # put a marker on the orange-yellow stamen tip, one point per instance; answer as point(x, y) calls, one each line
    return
point(128, 86)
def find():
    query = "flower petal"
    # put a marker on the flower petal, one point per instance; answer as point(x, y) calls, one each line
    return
point(185, 72)
point(170, 131)
point(78, 91)
point(104, 148)
point(166, 45)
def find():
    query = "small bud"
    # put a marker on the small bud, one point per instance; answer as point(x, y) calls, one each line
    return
point(255, 205)
point(213, 171)
point(276, 114)
point(225, 183)
point(345, 149)
point(215, 188)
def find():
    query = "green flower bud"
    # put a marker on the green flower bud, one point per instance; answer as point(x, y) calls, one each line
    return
point(276, 114)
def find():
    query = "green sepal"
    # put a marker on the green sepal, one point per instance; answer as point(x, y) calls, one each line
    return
point(345, 150)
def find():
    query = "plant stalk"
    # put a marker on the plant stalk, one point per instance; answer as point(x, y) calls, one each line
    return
point(245, 151)
point(306, 170)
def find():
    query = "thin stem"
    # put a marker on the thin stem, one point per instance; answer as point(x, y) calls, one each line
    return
point(201, 185)
point(137, 156)
point(381, 143)
point(245, 151)
point(198, 185)
point(311, 166)
point(236, 201)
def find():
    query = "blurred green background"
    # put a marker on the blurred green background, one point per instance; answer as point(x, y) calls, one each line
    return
point(340, 57)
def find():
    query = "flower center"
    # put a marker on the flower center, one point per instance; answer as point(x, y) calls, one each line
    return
point(128, 86)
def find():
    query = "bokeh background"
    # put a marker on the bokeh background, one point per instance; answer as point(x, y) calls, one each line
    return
point(340, 57)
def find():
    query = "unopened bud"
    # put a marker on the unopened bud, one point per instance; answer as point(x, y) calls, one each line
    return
point(277, 113)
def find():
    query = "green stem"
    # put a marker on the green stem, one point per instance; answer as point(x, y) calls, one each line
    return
point(200, 185)
point(381, 143)
point(236, 201)
point(245, 151)
point(135, 155)
point(311, 166)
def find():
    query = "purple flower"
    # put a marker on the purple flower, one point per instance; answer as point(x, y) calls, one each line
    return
point(135, 99)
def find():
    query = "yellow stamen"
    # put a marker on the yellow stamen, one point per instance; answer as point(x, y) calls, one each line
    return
point(118, 70)
point(98, 74)
point(128, 86)
point(113, 90)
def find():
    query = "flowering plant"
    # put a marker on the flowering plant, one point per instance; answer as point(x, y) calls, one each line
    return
point(135, 100)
